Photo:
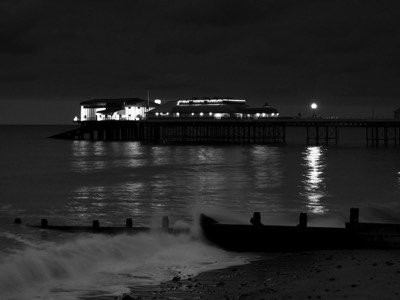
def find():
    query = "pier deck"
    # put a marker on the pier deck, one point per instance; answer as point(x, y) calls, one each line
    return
point(318, 131)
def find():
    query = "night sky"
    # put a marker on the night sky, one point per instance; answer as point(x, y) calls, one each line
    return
point(342, 54)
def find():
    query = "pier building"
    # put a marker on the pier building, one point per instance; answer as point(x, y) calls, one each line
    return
point(211, 108)
point(124, 109)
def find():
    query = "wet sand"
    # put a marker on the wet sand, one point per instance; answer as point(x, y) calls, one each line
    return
point(336, 274)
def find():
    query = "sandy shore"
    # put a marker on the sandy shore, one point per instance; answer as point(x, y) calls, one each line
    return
point(338, 274)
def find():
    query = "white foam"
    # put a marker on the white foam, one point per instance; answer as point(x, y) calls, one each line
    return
point(106, 265)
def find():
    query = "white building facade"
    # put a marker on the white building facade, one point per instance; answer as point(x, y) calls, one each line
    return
point(122, 109)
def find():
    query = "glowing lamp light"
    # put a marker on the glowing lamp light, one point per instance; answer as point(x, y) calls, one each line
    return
point(76, 119)
point(157, 101)
point(314, 108)
point(201, 114)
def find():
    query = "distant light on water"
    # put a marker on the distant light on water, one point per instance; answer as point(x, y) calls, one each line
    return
point(314, 180)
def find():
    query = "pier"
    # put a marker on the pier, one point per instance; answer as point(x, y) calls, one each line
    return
point(318, 131)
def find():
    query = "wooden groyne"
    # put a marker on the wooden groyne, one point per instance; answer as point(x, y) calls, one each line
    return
point(111, 230)
point(270, 238)
point(235, 131)
point(257, 237)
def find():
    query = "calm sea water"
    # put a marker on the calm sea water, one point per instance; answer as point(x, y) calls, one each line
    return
point(75, 182)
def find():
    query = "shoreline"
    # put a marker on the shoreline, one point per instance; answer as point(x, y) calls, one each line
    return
point(324, 274)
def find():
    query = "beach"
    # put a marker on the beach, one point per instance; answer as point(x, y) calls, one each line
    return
point(328, 274)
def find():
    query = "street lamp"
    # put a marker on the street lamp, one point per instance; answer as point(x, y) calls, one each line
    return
point(314, 108)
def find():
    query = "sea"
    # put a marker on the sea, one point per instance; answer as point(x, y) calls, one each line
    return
point(76, 182)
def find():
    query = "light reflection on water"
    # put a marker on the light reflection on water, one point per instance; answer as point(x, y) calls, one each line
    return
point(139, 181)
point(314, 179)
point(145, 180)
point(90, 156)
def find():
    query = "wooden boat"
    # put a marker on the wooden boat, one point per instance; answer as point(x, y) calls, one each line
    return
point(257, 237)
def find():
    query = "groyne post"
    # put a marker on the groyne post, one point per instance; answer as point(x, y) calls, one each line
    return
point(44, 223)
point(354, 219)
point(354, 216)
point(303, 220)
point(256, 219)
point(95, 224)
point(128, 222)
point(165, 224)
